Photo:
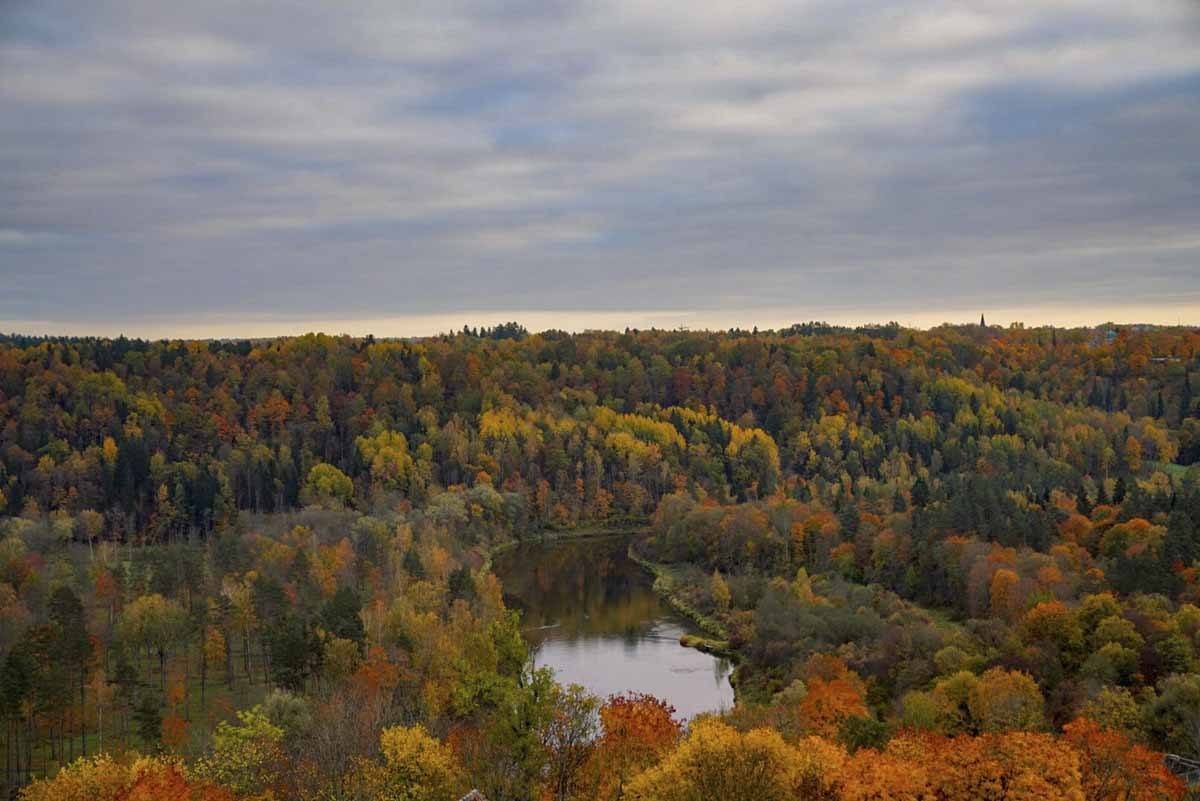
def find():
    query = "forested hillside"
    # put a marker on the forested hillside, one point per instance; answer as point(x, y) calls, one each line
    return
point(961, 563)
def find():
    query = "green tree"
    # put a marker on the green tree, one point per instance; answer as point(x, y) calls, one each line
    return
point(327, 486)
point(342, 615)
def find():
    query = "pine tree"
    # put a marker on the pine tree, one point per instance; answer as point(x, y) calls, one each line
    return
point(920, 492)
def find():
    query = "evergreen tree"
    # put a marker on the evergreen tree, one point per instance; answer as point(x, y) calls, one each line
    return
point(920, 493)
point(342, 615)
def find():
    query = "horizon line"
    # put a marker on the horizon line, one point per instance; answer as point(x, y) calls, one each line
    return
point(229, 326)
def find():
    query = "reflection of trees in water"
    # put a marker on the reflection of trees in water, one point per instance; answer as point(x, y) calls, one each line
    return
point(631, 637)
point(722, 667)
point(586, 587)
point(610, 631)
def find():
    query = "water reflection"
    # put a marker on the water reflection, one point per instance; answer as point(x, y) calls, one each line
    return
point(592, 616)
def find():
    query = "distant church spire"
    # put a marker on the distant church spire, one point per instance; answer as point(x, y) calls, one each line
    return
point(982, 324)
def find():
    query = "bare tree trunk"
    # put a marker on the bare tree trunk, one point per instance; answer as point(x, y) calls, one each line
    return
point(266, 664)
point(82, 712)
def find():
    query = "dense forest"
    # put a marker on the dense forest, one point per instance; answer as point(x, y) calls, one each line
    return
point(961, 563)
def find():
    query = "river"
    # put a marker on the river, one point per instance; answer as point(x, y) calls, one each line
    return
point(591, 614)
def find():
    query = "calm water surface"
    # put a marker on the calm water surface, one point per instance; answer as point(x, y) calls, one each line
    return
point(590, 614)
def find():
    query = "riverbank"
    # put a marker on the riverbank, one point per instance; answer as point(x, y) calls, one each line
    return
point(593, 615)
point(714, 637)
point(548, 536)
point(666, 584)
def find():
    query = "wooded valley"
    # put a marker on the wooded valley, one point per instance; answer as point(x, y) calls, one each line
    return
point(961, 563)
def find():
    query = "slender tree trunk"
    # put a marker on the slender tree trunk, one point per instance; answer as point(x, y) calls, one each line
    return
point(228, 661)
point(17, 751)
point(8, 746)
point(266, 664)
point(82, 712)
point(187, 675)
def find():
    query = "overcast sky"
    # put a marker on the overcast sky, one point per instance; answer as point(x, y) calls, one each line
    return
point(223, 168)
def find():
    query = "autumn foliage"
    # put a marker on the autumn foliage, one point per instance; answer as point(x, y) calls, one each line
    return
point(1115, 769)
point(103, 778)
point(929, 550)
point(637, 730)
point(717, 761)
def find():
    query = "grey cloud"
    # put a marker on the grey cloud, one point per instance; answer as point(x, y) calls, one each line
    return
point(380, 158)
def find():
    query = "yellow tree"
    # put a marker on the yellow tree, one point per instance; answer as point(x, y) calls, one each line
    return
point(246, 757)
point(720, 591)
point(415, 767)
point(717, 761)
point(387, 455)
point(135, 778)
point(154, 622)
point(1004, 700)
point(327, 486)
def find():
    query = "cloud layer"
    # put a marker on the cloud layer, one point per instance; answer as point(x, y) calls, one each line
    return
point(329, 161)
